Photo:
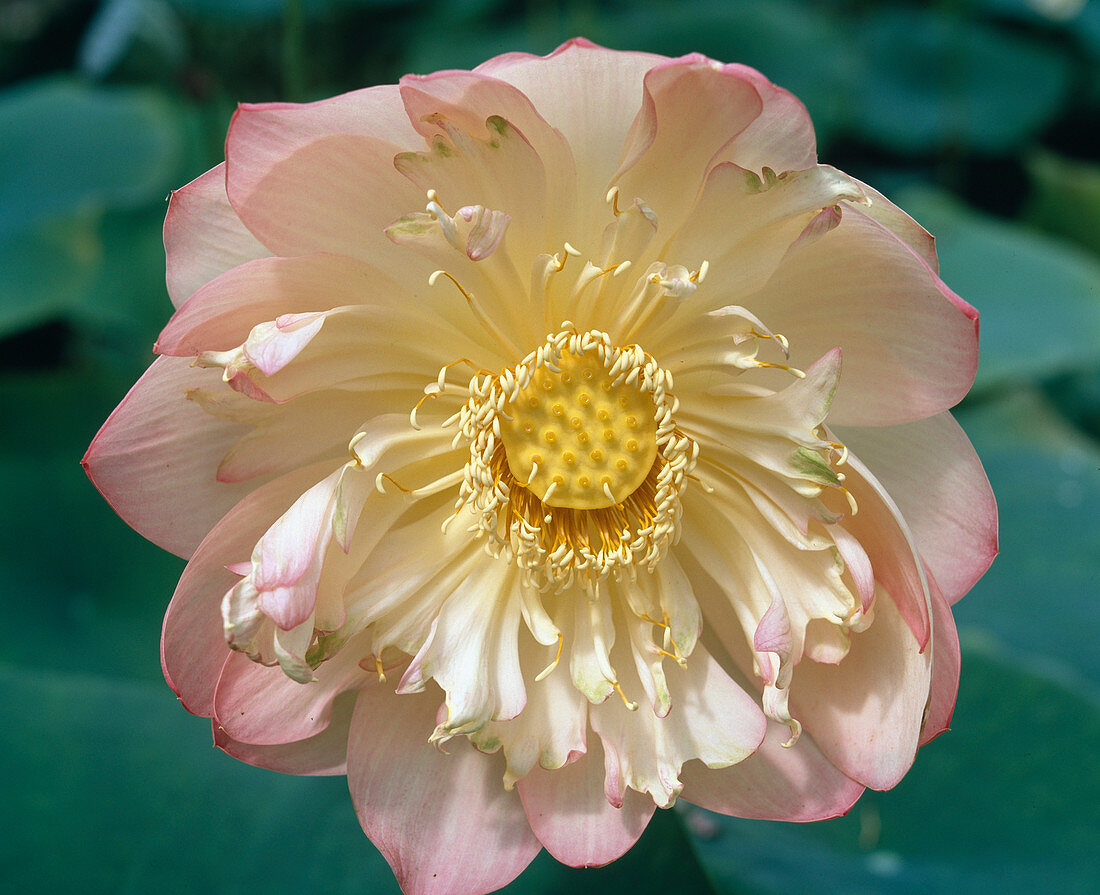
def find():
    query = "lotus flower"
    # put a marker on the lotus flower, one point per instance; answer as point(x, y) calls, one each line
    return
point(549, 442)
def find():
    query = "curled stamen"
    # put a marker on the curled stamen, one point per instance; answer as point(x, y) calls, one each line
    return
point(794, 371)
point(630, 706)
point(549, 668)
point(842, 449)
point(780, 340)
point(355, 439)
point(385, 475)
point(697, 276)
point(412, 413)
point(612, 199)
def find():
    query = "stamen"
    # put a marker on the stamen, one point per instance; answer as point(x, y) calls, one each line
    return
point(412, 413)
point(385, 475)
point(546, 671)
point(355, 439)
point(630, 706)
point(612, 198)
point(794, 371)
point(482, 318)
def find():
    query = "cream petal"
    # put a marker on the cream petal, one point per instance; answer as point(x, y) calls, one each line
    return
point(472, 652)
point(203, 237)
point(930, 468)
point(434, 815)
point(691, 109)
point(319, 177)
point(781, 137)
point(902, 225)
point(595, 130)
point(712, 719)
point(570, 814)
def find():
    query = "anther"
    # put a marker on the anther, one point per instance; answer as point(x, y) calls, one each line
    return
point(630, 706)
point(549, 668)
point(612, 199)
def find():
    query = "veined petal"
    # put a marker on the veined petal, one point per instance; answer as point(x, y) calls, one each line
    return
point(319, 176)
point(261, 706)
point(930, 469)
point(323, 754)
point(863, 289)
point(203, 237)
point(595, 129)
point(774, 783)
point(434, 816)
point(571, 816)
point(156, 458)
point(866, 713)
point(712, 719)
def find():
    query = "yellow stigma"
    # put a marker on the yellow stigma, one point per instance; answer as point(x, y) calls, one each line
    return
point(575, 439)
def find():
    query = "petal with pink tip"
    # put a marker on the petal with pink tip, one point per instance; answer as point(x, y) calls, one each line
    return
point(609, 81)
point(902, 225)
point(193, 648)
point(866, 713)
point(782, 135)
point(156, 457)
point(323, 754)
point(261, 706)
point(910, 344)
point(795, 784)
point(319, 177)
point(692, 108)
point(203, 237)
point(570, 814)
point(929, 467)
point(946, 664)
point(434, 816)
point(886, 538)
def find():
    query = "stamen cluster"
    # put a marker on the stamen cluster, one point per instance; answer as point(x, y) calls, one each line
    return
point(557, 545)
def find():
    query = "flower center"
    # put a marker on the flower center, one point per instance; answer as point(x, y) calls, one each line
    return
point(578, 440)
point(576, 465)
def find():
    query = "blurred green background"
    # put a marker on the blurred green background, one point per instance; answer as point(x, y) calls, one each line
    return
point(980, 117)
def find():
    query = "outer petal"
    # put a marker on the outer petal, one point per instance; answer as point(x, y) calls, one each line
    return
point(946, 663)
point(156, 457)
point(570, 814)
point(323, 754)
point(443, 821)
point(930, 469)
point(193, 648)
point(319, 177)
point(203, 236)
point(796, 784)
point(866, 713)
point(860, 287)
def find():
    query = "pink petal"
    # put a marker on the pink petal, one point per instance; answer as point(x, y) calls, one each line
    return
point(781, 137)
point(220, 315)
point(203, 236)
point(323, 754)
point(193, 648)
point(692, 108)
point(930, 469)
point(261, 706)
point(595, 129)
point(444, 822)
point(319, 177)
point(946, 663)
point(865, 714)
point(902, 225)
point(570, 814)
point(884, 535)
point(795, 784)
point(910, 344)
point(156, 457)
